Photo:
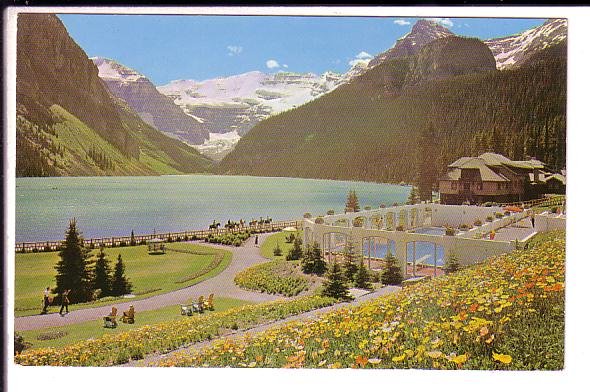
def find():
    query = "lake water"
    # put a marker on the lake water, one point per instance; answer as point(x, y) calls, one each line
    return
point(113, 206)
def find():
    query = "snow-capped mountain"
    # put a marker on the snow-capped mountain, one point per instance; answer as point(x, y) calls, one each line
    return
point(153, 107)
point(423, 32)
point(237, 103)
point(512, 51)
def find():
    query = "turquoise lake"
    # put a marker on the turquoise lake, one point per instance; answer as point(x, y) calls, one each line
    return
point(112, 206)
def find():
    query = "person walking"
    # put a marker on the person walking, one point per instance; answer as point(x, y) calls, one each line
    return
point(256, 241)
point(533, 221)
point(65, 301)
point(45, 301)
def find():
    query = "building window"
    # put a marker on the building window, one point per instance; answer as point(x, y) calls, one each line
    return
point(479, 186)
point(499, 185)
point(453, 185)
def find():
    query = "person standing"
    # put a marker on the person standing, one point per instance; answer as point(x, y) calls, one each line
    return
point(533, 221)
point(45, 301)
point(256, 241)
point(65, 301)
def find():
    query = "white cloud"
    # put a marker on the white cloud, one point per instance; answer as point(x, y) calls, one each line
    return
point(401, 22)
point(234, 50)
point(362, 57)
point(443, 21)
point(285, 66)
point(272, 64)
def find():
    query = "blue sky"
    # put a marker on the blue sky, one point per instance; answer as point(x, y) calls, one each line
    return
point(167, 47)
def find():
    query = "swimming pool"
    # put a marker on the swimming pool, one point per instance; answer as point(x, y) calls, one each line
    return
point(430, 230)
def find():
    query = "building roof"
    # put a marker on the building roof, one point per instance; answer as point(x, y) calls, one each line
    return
point(493, 159)
point(486, 174)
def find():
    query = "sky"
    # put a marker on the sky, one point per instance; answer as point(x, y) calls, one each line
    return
point(172, 47)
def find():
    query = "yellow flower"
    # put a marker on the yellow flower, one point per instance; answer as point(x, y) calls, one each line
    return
point(399, 358)
point(504, 358)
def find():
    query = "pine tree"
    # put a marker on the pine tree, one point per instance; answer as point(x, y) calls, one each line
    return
point(335, 286)
point(392, 274)
point(413, 196)
point(452, 264)
point(120, 284)
point(352, 202)
point(350, 261)
point(296, 252)
point(277, 250)
point(102, 275)
point(361, 279)
point(307, 260)
point(72, 270)
point(132, 242)
point(319, 264)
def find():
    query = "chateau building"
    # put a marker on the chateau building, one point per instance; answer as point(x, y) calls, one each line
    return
point(492, 177)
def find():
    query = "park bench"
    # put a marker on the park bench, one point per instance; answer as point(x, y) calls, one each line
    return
point(186, 310)
point(129, 316)
point(208, 304)
point(110, 321)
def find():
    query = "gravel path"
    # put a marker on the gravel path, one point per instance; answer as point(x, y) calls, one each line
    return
point(152, 360)
point(221, 285)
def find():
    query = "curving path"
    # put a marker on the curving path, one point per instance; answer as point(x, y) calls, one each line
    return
point(221, 285)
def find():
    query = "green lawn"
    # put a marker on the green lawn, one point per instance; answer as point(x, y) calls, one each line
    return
point(270, 243)
point(94, 329)
point(149, 274)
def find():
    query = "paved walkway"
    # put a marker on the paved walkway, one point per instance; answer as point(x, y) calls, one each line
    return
point(221, 285)
point(519, 230)
point(152, 360)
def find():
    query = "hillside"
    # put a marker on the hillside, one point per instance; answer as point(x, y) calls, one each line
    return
point(368, 129)
point(69, 124)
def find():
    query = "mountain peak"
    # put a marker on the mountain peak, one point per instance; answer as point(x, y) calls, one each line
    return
point(423, 32)
point(109, 69)
point(513, 51)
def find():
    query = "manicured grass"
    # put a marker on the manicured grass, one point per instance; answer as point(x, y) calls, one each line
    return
point(94, 329)
point(149, 274)
point(267, 247)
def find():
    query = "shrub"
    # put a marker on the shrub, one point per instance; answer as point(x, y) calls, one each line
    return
point(464, 227)
point(367, 208)
point(319, 220)
point(307, 215)
point(296, 252)
point(358, 221)
point(489, 218)
point(449, 231)
point(477, 222)
point(553, 210)
point(382, 206)
point(507, 213)
point(19, 344)
point(52, 335)
point(499, 215)
point(487, 204)
point(330, 212)
point(399, 228)
point(275, 277)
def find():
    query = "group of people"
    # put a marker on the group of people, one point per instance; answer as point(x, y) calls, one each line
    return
point(47, 300)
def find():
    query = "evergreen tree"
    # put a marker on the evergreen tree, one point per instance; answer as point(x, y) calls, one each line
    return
point(102, 275)
point(72, 270)
point(277, 250)
point(296, 252)
point(361, 279)
point(426, 169)
point(335, 286)
point(392, 274)
point(313, 262)
point(413, 196)
point(350, 261)
point(132, 242)
point(452, 264)
point(120, 284)
point(352, 202)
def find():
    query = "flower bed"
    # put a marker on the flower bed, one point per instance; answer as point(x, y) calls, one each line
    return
point(159, 338)
point(274, 277)
point(506, 313)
